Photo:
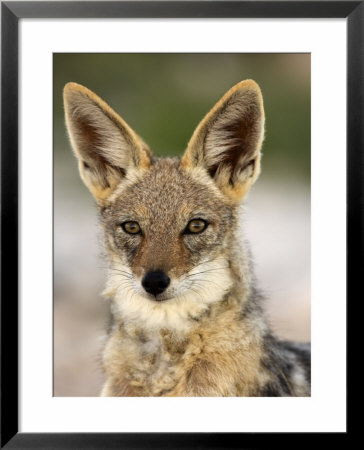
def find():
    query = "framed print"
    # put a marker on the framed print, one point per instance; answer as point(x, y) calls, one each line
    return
point(162, 66)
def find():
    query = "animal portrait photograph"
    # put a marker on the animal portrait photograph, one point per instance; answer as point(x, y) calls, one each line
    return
point(182, 225)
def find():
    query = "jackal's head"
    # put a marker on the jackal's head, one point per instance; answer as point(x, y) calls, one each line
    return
point(170, 225)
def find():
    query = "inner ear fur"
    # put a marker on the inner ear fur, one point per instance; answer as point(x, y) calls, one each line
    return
point(228, 140)
point(105, 145)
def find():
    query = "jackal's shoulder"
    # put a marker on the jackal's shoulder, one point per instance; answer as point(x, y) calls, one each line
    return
point(290, 365)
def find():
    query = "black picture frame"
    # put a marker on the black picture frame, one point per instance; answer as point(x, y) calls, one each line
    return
point(11, 12)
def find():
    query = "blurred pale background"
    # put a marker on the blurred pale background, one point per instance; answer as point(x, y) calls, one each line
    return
point(163, 97)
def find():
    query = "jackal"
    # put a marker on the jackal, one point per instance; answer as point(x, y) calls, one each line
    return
point(187, 316)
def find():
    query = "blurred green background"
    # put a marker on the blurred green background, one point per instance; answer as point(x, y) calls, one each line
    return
point(163, 97)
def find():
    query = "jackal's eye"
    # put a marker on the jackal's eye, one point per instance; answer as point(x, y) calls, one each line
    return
point(196, 226)
point(131, 227)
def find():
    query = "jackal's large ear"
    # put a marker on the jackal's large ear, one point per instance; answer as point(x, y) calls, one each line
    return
point(106, 147)
point(227, 141)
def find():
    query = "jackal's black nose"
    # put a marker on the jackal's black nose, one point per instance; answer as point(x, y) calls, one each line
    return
point(155, 282)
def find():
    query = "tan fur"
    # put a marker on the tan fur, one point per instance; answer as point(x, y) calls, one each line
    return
point(122, 146)
point(205, 334)
point(206, 361)
point(213, 143)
